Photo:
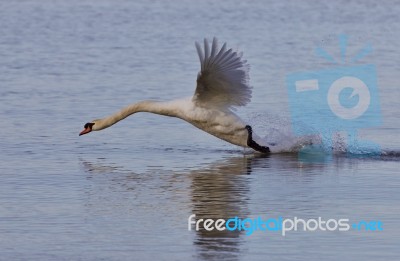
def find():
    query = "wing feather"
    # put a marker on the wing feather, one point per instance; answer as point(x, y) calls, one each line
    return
point(223, 81)
point(200, 53)
point(214, 47)
point(220, 53)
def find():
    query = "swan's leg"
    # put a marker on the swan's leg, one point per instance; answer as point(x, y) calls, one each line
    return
point(254, 145)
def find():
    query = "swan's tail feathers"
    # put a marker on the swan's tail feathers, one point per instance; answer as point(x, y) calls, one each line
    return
point(224, 77)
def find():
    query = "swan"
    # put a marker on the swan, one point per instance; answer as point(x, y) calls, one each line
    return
point(222, 85)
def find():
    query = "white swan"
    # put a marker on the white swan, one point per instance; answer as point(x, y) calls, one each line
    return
point(222, 84)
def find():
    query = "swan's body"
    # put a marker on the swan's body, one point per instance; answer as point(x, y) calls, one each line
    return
point(222, 84)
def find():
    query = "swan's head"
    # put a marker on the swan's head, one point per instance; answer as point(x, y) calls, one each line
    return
point(88, 128)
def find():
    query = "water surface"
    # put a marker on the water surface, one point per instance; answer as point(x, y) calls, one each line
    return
point(126, 193)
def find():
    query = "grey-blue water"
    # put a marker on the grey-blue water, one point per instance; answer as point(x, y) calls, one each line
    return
point(126, 193)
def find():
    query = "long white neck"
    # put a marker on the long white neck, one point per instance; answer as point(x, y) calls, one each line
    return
point(162, 108)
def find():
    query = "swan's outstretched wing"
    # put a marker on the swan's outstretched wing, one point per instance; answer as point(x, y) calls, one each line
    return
point(224, 77)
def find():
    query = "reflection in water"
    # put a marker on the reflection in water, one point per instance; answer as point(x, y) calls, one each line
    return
point(218, 190)
point(221, 191)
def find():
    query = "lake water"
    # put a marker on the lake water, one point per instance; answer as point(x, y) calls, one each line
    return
point(126, 193)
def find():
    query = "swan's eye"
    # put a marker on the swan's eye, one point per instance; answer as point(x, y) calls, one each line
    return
point(88, 125)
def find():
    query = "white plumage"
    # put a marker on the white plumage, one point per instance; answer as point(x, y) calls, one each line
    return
point(224, 77)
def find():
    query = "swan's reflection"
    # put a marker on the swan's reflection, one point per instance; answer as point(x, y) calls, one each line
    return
point(221, 190)
point(218, 190)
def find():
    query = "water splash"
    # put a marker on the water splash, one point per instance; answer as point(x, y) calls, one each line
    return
point(275, 131)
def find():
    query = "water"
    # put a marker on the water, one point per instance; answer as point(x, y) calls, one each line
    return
point(126, 193)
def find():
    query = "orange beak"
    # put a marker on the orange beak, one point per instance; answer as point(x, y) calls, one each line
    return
point(85, 131)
